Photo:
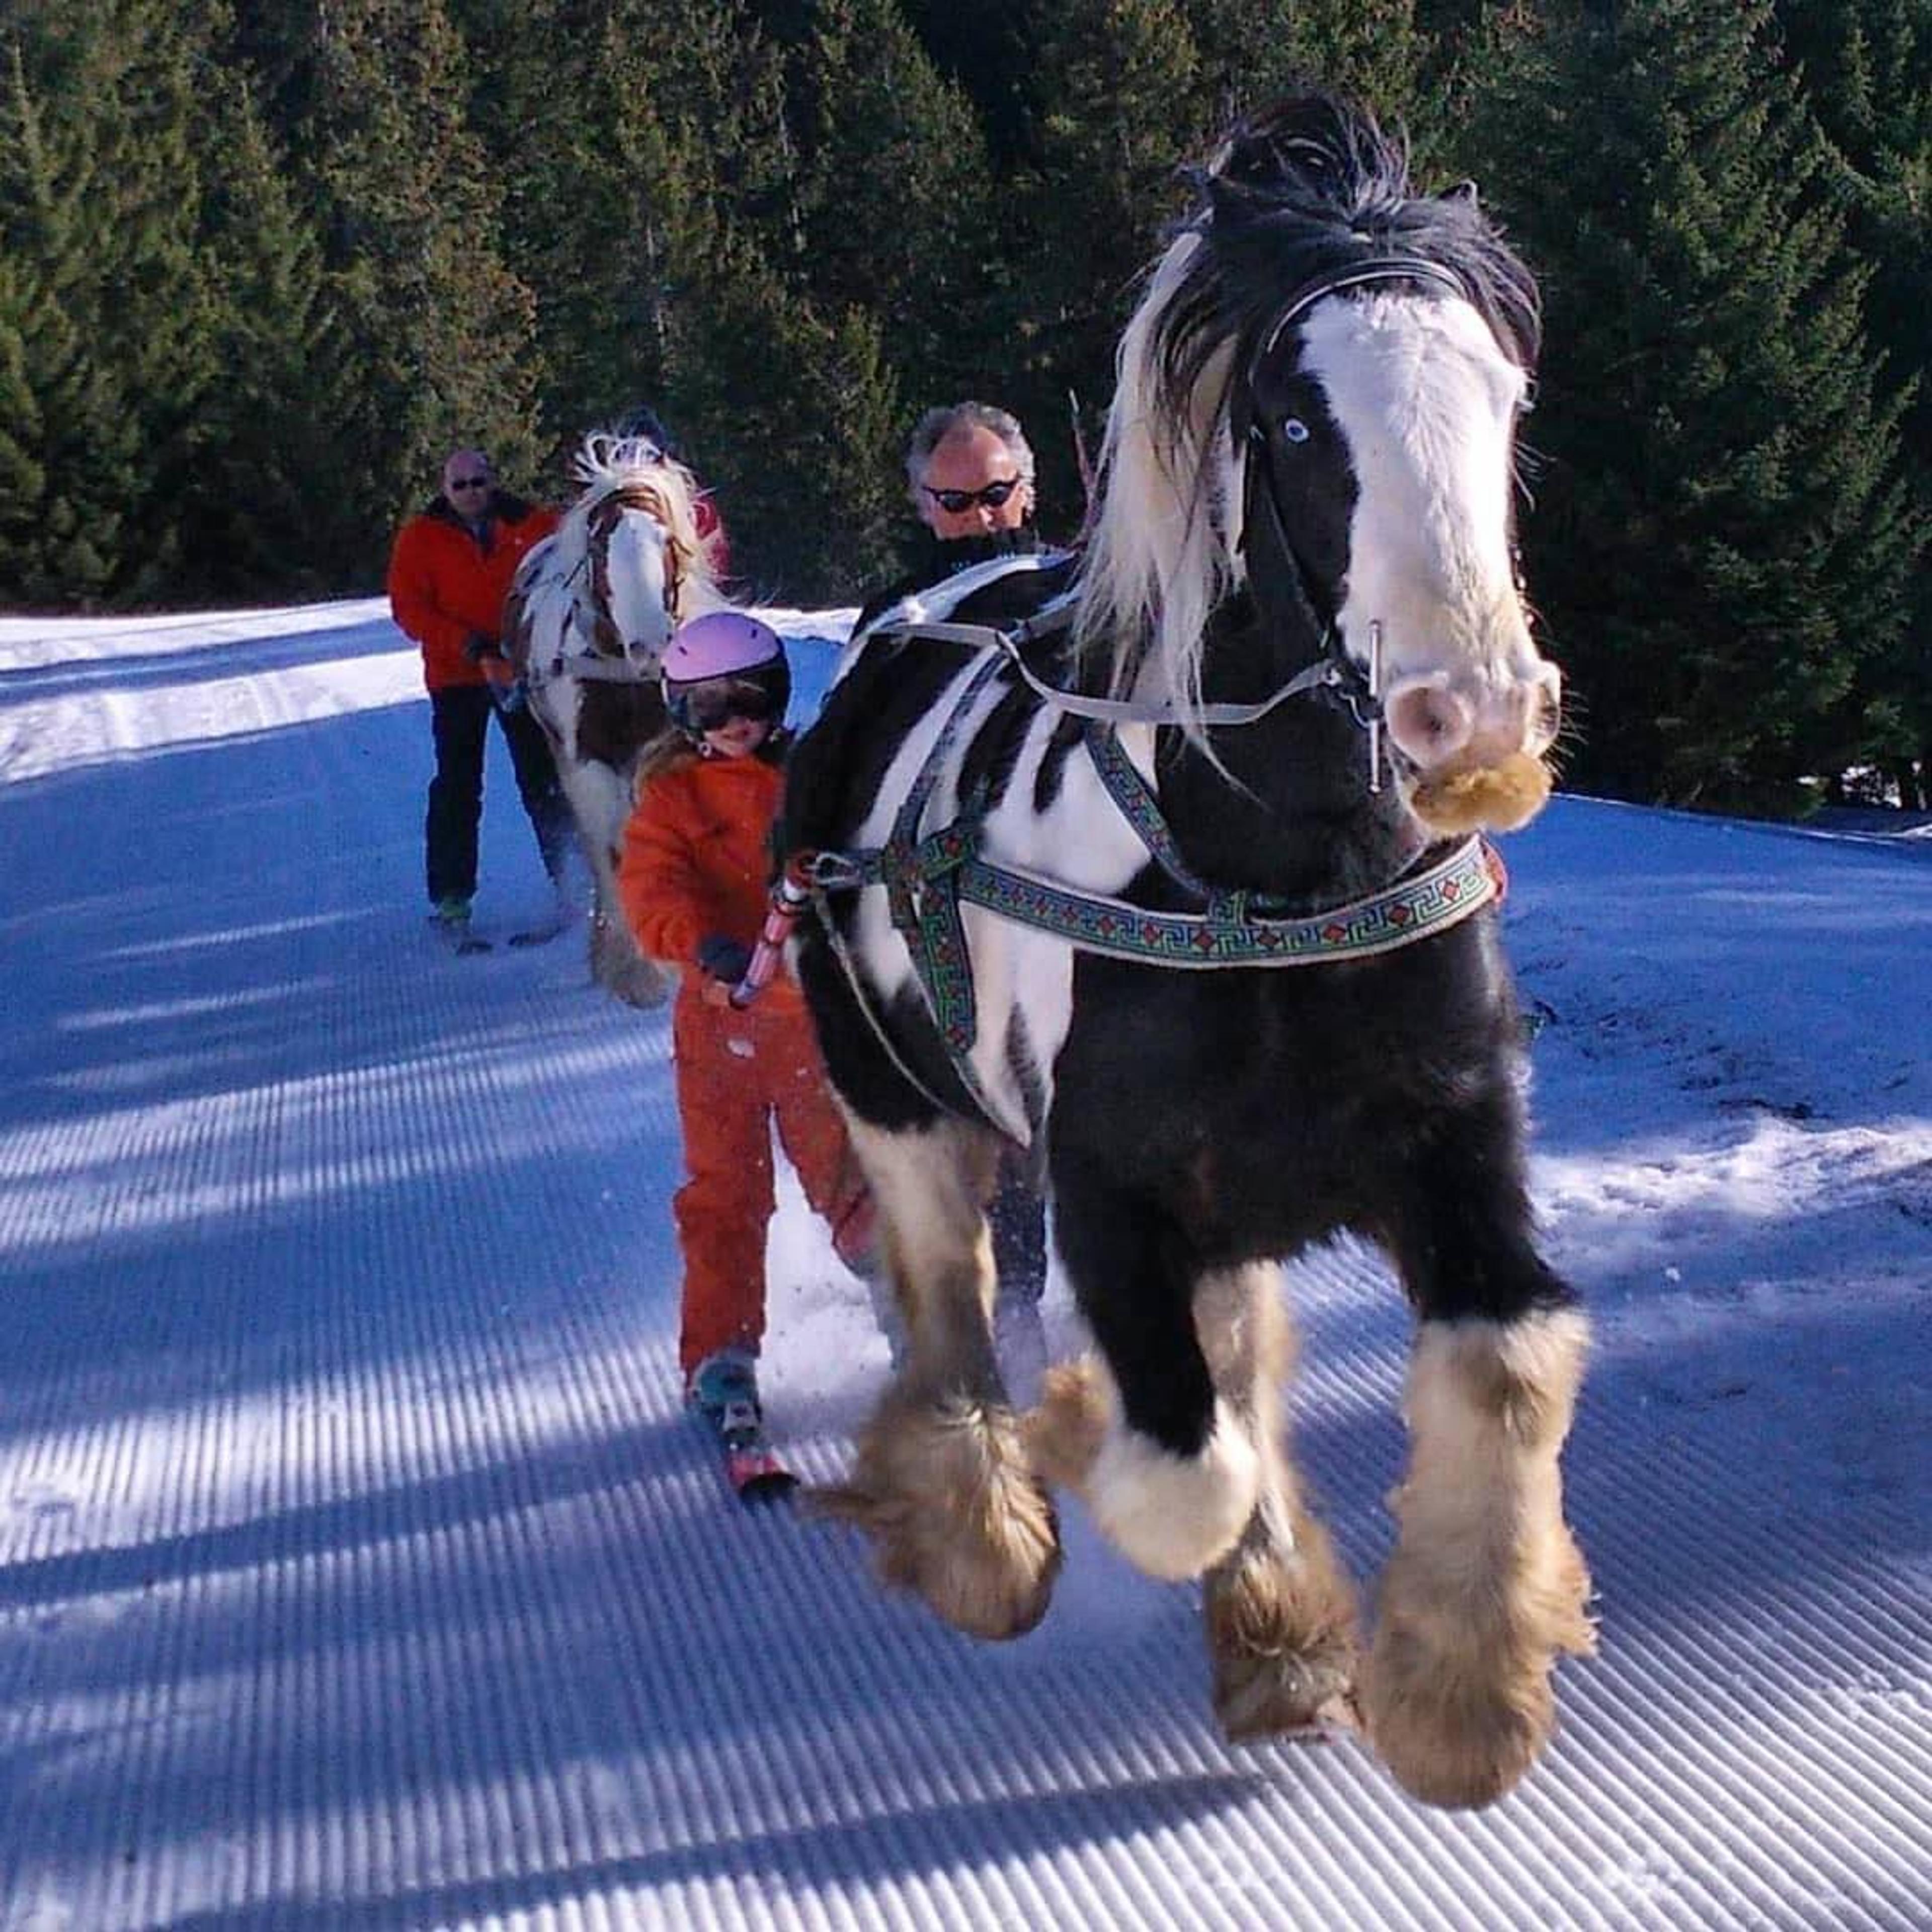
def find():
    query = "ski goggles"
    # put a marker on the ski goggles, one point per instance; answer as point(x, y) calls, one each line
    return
point(954, 502)
point(715, 701)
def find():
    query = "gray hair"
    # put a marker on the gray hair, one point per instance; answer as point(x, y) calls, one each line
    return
point(936, 425)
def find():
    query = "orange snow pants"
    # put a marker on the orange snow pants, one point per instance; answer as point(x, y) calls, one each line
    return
point(737, 1072)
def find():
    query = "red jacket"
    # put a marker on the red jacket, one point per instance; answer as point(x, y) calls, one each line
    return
point(446, 586)
point(696, 861)
point(711, 534)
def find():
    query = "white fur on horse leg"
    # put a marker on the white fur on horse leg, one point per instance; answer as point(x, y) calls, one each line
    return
point(1172, 1515)
point(1279, 1613)
point(1486, 1586)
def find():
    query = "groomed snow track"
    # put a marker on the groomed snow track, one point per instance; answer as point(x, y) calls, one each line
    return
point(358, 1571)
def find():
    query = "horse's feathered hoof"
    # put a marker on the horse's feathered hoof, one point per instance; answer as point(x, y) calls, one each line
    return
point(945, 1492)
point(1281, 1636)
point(1459, 1716)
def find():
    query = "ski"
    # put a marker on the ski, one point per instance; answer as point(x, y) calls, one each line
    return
point(539, 935)
point(723, 1399)
point(750, 1466)
point(755, 1474)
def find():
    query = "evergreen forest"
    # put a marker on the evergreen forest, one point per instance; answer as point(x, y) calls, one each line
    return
point(262, 264)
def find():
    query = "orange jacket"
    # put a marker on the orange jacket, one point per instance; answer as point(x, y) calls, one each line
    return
point(445, 585)
point(696, 863)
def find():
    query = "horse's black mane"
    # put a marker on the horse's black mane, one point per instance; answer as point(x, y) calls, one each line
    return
point(1303, 189)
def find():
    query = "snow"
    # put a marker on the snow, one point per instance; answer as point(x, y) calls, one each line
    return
point(357, 1569)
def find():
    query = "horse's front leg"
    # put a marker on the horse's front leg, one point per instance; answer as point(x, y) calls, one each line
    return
point(1486, 1587)
point(941, 1482)
point(1279, 1612)
point(600, 795)
point(1167, 1467)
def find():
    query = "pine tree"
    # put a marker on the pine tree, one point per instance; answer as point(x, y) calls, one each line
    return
point(1252, 51)
point(158, 305)
point(1116, 107)
point(988, 53)
point(439, 334)
point(550, 109)
point(799, 416)
point(896, 197)
point(69, 439)
point(271, 510)
point(669, 214)
point(1717, 536)
point(1867, 72)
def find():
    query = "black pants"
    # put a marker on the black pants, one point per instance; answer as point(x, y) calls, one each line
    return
point(460, 717)
point(1018, 1218)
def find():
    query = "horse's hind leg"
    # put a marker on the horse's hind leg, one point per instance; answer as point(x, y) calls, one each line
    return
point(1280, 1613)
point(1486, 1587)
point(941, 1481)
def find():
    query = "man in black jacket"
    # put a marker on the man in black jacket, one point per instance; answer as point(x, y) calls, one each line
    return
point(969, 477)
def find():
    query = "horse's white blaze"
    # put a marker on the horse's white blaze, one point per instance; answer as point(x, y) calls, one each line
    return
point(640, 608)
point(1171, 1516)
point(1427, 403)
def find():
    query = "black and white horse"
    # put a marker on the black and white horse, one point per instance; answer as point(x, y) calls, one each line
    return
point(587, 623)
point(1176, 884)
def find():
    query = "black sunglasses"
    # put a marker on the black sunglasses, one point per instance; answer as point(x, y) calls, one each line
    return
point(469, 482)
point(952, 501)
point(708, 706)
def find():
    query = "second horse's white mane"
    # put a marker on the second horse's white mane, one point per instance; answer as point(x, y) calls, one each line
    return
point(605, 465)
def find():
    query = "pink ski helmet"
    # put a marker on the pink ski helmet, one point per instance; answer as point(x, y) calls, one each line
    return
point(732, 651)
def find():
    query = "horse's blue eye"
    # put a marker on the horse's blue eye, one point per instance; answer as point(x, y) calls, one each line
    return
point(1295, 430)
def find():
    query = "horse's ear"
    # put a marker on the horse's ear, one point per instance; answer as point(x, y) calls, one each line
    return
point(1464, 191)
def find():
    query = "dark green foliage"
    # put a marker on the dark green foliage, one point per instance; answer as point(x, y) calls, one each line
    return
point(1251, 50)
point(892, 213)
point(1115, 101)
point(440, 331)
point(272, 501)
point(263, 265)
point(1719, 535)
point(67, 421)
point(1867, 73)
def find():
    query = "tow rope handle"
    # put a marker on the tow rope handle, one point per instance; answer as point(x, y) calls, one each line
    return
point(790, 895)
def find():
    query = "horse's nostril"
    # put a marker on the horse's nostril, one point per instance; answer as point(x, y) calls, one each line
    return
point(1428, 723)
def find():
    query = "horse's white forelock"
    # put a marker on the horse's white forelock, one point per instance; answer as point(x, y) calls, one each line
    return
point(1162, 550)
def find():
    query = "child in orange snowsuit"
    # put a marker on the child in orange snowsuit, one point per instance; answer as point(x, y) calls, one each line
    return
point(694, 883)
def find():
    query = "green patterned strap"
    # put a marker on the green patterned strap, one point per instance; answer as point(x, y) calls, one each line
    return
point(1228, 934)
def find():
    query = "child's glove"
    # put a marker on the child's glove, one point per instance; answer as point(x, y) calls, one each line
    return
point(723, 958)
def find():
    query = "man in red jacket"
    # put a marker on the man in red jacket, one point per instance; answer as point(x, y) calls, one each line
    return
point(448, 575)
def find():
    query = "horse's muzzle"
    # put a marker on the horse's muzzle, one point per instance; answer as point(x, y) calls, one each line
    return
point(1476, 751)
